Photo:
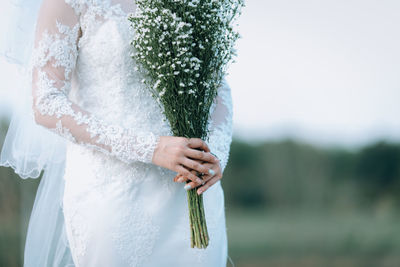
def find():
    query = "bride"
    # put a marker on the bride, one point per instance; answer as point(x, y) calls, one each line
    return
point(112, 192)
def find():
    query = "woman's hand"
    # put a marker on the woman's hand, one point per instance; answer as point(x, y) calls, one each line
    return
point(181, 155)
point(207, 180)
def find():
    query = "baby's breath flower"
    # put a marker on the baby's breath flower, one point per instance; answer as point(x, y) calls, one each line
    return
point(156, 84)
point(162, 92)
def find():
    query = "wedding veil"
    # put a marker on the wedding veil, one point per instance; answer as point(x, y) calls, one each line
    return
point(30, 149)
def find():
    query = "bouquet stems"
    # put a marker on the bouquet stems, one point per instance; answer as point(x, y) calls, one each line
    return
point(199, 234)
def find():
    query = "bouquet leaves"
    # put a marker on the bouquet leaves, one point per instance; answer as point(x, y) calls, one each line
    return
point(183, 48)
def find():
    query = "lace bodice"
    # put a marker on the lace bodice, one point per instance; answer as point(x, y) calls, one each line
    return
point(95, 98)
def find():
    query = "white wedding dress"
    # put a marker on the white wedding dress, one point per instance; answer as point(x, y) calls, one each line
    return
point(120, 210)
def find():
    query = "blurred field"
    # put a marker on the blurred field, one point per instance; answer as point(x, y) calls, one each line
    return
point(313, 239)
point(288, 204)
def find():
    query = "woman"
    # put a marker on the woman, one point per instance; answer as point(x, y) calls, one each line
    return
point(123, 203)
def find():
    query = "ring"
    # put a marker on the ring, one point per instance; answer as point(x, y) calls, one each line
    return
point(211, 172)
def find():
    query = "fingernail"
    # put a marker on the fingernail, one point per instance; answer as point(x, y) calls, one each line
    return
point(180, 179)
point(211, 172)
point(187, 187)
point(199, 191)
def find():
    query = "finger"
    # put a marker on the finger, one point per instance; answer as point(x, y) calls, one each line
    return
point(198, 143)
point(194, 165)
point(213, 170)
point(200, 155)
point(186, 173)
point(192, 171)
point(180, 178)
point(208, 184)
point(191, 185)
point(208, 177)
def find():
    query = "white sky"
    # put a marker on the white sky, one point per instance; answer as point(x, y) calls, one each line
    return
point(325, 71)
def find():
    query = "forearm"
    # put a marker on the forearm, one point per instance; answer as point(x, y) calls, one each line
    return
point(55, 112)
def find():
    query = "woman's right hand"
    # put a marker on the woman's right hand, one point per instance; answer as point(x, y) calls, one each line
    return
point(179, 154)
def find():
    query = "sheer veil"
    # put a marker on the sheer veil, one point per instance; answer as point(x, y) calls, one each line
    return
point(30, 149)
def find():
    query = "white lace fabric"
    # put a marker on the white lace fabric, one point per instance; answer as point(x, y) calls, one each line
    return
point(53, 63)
point(220, 125)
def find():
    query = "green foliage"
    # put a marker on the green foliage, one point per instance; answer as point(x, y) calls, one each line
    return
point(290, 175)
point(378, 169)
point(243, 178)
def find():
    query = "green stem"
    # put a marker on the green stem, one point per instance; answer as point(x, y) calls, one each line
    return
point(199, 233)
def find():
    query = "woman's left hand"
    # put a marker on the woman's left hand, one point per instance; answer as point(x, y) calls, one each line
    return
point(208, 179)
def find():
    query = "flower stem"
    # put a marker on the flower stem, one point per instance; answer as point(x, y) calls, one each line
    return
point(198, 227)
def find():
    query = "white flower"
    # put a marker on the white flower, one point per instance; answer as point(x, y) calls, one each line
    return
point(180, 25)
point(156, 84)
point(162, 92)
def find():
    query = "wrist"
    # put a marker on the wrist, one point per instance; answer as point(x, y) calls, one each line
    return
point(155, 150)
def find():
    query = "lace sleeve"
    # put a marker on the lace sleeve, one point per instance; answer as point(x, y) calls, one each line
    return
point(220, 127)
point(53, 61)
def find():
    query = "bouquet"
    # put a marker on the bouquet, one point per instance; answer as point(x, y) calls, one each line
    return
point(183, 48)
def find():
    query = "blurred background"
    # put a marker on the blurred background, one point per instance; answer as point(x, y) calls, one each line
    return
point(314, 171)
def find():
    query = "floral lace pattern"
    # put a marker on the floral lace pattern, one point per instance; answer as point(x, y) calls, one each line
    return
point(64, 132)
point(59, 50)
